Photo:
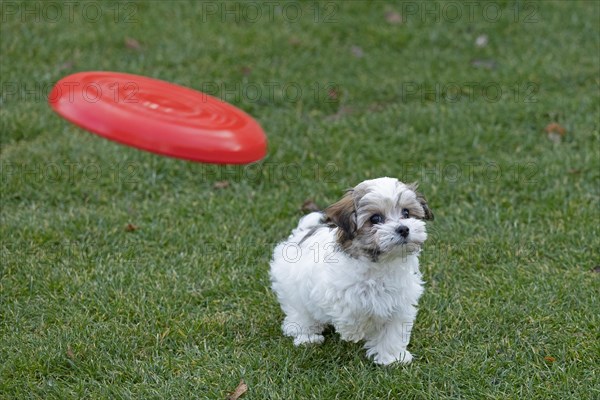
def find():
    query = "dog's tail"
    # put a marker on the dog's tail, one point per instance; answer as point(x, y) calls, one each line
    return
point(308, 225)
point(311, 220)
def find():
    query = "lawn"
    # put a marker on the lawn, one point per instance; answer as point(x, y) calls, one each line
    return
point(128, 275)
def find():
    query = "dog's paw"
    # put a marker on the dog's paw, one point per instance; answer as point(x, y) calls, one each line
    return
point(386, 358)
point(308, 339)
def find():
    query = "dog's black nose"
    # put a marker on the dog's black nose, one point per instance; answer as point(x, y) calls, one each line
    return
point(403, 230)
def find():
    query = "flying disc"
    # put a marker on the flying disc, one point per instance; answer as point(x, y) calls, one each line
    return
point(159, 117)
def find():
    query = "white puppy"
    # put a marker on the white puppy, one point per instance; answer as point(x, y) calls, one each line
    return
point(355, 266)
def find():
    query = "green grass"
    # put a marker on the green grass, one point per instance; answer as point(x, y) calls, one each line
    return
point(181, 307)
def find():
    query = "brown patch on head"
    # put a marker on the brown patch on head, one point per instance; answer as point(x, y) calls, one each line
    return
point(428, 214)
point(343, 215)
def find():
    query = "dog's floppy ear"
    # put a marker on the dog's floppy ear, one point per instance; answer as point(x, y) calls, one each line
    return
point(423, 201)
point(343, 215)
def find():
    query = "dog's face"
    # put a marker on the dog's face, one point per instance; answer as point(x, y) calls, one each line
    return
point(380, 219)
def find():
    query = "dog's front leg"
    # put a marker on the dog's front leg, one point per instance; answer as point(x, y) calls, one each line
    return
point(388, 344)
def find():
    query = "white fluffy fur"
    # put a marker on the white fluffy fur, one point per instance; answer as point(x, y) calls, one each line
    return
point(318, 284)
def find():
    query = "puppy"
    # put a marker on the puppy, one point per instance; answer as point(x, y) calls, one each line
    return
point(355, 266)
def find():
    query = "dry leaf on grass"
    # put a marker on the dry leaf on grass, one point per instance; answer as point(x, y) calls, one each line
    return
point(392, 17)
point(221, 185)
point(131, 228)
point(555, 132)
point(310, 206)
point(132, 44)
point(246, 70)
point(550, 359)
point(70, 353)
point(239, 391)
point(294, 41)
point(333, 93)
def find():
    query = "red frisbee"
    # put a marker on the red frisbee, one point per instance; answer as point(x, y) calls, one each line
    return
point(159, 117)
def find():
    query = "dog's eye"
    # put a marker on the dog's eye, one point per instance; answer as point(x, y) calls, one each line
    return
point(405, 213)
point(376, 219)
